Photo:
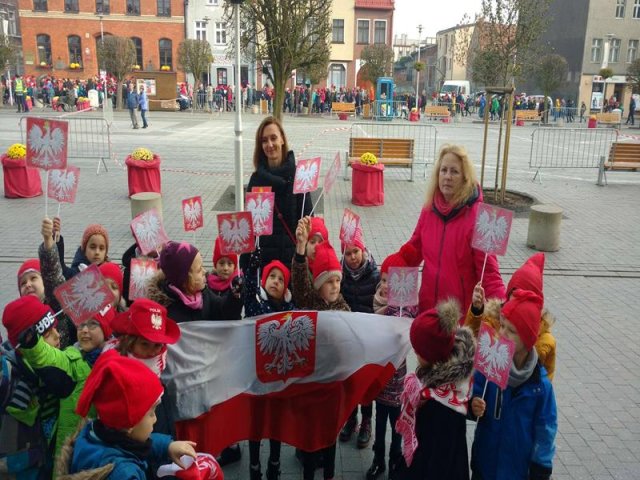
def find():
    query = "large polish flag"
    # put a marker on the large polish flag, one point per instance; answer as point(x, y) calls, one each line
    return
point(293, 376)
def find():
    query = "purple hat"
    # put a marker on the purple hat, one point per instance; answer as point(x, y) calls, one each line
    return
point(175, 262)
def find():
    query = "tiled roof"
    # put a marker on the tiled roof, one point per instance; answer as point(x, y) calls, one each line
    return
point(375, 4)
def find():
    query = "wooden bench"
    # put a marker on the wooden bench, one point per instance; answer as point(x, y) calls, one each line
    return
point(391, 152)
point(343, 107)
point(437, 111)
point(610, 118)
point(623, 156)
point(527, 116)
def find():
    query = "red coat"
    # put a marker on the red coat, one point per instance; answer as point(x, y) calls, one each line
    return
point(451, 267)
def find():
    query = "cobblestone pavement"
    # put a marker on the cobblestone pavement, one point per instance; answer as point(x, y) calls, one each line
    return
point(591, 284)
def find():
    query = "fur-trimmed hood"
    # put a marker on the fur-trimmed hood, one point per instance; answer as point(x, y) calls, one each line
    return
point(63, 462)
point(157, 291)
point(457, 367)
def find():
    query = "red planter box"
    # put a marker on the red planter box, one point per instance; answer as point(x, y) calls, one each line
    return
point(20, 181)
point(592, 123)
point(367, 185)
point(143, 176)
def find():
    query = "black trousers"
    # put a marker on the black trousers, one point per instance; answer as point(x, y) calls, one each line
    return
point(384, 413)
point(254, 452)
point(328, 463)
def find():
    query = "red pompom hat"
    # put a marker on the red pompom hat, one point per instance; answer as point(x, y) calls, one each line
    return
point(23, 313)
point(122, 389)
point(319, 228)
point(217, 254)
point(524, 310)
point(529, 276)
point(112, 271)
point(433, 332)
point(325, 265)
point(279, 265)
point(148, 319)
point(408, 256)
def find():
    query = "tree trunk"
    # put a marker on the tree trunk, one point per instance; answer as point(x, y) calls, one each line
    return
point(279, 80)
point(118, 94)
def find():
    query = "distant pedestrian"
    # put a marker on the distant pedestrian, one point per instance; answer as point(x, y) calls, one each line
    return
point(143, 105)
point(632, 110)
point(583, 108)
point(132, 104)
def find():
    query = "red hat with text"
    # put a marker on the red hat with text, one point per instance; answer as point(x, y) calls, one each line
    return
point(148, 319)
point(24, 313)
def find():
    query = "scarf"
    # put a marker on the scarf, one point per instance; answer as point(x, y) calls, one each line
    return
point(441, 204)
point(379, 303)
point(156, 364)
point(194, 302)
point(357, 273)
point(518, 377)
point(120, 439)
point(218, 284)
point(92, 356)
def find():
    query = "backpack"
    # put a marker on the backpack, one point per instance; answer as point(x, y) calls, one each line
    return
point(22, 446)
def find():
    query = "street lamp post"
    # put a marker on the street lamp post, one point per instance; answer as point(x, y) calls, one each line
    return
point(239, 190)
point(418, 71)
point(206, 21)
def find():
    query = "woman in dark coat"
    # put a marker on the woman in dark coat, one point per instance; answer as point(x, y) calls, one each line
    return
point(275, 167)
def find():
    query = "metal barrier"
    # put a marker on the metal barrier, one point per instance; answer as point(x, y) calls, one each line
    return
point(390, 109)
point(89, 137)
point(424, 138)
point(569, 147)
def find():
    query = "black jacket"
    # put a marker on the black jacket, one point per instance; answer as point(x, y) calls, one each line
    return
point(281, 244)
point(359, 293)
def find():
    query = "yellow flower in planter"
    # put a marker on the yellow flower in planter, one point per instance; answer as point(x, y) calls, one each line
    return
point(165, 68)
point(142, 154)
point(17, 150)
point(368, 158)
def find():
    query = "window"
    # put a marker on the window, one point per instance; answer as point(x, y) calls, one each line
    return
point(337, 33)
point(614, 51)
point(103, 7)
point(137, 42)
point(166, 55)
point(620, 6)
point(43, 42)
point(133, 7)
point(201, 30)
point(221, 74)
point(12, 26)
point(632, 51)
point(212, 2)
point(380, 31)
point(337, 75)
point(363, 31)
point(596, 50)
point(636, 9)
point(40, 5)
point(75, 49)
point(164, 8)
point(71, 6)
point(220, 34)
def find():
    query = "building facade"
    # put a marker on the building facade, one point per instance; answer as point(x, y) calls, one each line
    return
point(61, 37)
point(373, 26)
point(10, 27)
point(453, 46)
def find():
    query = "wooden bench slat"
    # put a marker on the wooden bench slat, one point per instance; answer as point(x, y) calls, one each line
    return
point(391, 152)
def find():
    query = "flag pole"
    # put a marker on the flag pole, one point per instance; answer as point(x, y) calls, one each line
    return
point(486, 255)
point(304, 197)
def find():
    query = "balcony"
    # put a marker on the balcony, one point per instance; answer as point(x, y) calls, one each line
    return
point(375, 4)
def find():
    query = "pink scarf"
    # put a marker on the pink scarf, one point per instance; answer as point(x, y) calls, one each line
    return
point(218, 284)
point(441, 204)
point(194, 302)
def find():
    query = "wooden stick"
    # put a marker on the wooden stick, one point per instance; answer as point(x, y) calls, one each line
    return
point(304, 197)
point(486, 255)
point(317, 201)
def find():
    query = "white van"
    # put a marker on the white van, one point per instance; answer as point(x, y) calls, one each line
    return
point(454, 87)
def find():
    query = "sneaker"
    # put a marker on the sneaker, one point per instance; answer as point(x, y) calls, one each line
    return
point(348, 429)
point(376, 469)
point(229, 455)
point(273, 471)
point(364, 433)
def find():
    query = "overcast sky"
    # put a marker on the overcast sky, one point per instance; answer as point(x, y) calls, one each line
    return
point(433, 15)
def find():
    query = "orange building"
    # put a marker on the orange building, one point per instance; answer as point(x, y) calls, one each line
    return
point(60, 37)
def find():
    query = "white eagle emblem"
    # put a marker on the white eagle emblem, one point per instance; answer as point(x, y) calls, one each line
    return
point(47, 145)
point(492, 229)
point(156, 321)
point(493, 357)
point(284, 341)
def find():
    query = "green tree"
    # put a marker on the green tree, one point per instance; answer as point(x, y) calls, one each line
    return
point(7, 52)
point(194, 57)
point(117, 55)
point(550, 73)
point(633, 74)
point(283, 35)
point(484, 68)
point(377, 62)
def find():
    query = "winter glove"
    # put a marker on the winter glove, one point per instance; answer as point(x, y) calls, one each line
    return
point(236, 285)
point(29, 337)
point(255, 257)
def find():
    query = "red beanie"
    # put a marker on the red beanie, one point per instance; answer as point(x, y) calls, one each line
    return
point(524, 310)
point(217, 254)
point(319, 228)
point(31, 265)
point(408, 256)
point(122, 389)
point(279, 265)
point(90, 231)
point(148, 319)
point(104, 318)
point(112, 271)
point(357, 241)
point(325, 265)
point(433, 332)
point(25, 312)
point(528, 276)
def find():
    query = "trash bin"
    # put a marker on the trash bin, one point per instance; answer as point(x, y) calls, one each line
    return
point(592, 123)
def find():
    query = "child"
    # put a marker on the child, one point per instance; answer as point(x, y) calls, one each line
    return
point(225, 279)
point(435, 398)
point(360, 277)
point(321, 293)
point(388, 402)
point(317, 234)
point(30, 279)
point(119, 442)
point(515, 436)
point(181, 287)
point(114, 279)
point(528, 277)
point(93, 249)
point(273, 295)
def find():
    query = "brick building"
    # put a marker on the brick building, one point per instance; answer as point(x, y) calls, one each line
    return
point(57, 35)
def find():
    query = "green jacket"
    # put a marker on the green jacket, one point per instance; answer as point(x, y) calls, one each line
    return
point(64, 372)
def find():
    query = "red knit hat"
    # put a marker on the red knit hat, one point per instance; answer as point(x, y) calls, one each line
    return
point(90, 231)
point(217, 254)
point(357, 241)
point(25, 312)
point(112, 271)
point(279, 265)
point(122, 389)
point(319, 228)
point(148, 319)
point(408, 256)
point(325, 265)
point(528, 276)
point(175, 262)
point(524, 310)
point(31, 265)
point(104, 318)
point(433, 332)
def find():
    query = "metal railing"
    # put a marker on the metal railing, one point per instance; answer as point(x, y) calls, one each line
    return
point(89, 138)
point(569, 147)
point(390, 109)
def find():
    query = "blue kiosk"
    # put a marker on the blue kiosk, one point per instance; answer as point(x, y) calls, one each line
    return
point(384, 99)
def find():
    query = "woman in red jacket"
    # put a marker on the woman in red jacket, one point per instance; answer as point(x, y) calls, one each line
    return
point(444, 232)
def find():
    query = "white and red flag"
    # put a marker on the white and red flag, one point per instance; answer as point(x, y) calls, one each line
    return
point(192, 214)
point(350, 227)
point(84, 295)
point(149, 232)
point(299, 376)
point(142, 270)
point(260, 204)
point(491, 233)
point(307, 174)
point(403, 286)
point(493, 356)
point(236, 233)
point(47, 143)
point(332, 175)
point(63, 184)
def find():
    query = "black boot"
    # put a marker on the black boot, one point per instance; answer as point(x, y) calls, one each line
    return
point(396, 466)
point(255, 471)
point(364, 434)
point(230, 455)
point(349, 428)
point(376, 469)
point(273, 471)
